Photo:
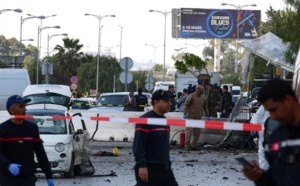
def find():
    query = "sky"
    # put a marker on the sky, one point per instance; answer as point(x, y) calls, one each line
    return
point(140, 26)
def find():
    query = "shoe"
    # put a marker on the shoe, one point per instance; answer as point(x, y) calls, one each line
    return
point(194, 149)
point(187, 148)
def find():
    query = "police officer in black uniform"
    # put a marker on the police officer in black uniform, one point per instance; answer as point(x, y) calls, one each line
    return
point(283, 148)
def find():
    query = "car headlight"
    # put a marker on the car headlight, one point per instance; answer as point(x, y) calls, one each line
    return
point(60, 147)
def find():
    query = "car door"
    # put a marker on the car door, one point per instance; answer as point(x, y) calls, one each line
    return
point(81, 141)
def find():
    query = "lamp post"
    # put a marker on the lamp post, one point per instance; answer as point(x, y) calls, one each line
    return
point(154, 47)
point(41, 25)
point(99, 17)
point(15, 10)
point(165, 13)
point(28, 39)
point(121, 42)
point(47, 64)
point(238, 8)
point(109, 48)
point(38, 55)
point(194, 46)
point(21, 27)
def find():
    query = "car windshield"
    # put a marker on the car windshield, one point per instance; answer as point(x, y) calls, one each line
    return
point(80, 104)
point(48, 98)
point(50, 126)
point(236, 92)
point(110, 100)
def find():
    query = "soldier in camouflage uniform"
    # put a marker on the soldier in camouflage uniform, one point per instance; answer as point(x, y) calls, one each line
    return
point(213, 98)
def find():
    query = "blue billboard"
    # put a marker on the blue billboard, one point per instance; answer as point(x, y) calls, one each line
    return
point(212, 23)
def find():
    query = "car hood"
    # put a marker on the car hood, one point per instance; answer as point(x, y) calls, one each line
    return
point(52, 140)
point(47, 106)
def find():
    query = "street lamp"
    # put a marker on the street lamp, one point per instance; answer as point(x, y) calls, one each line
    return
point(38, 55)
point(238, 8)
point(41, 25)
point(165, 13)
point(15, 10)
point(194, 46)
point(99, 42)
point(47, 63)
point(177, 50)
point(109, 48)
point(28, 39)
point(121, 42)
point(21, 26)
point(154, 47)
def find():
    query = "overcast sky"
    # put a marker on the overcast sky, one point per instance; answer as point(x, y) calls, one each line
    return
point(139, 25)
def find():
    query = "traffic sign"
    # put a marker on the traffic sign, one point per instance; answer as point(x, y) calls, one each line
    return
point(126, 77)
point(74, 86)
point(126, 63)
point(149, 79)
point(149, 86)
point(74, 79)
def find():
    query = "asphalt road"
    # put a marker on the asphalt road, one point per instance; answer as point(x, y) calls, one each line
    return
point(207, 166)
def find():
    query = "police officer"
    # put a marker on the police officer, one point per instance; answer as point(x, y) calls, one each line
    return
point(213, 98)
point(173, 102)
point(283, 147)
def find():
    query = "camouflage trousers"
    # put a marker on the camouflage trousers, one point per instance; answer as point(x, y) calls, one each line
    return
point(213, 112)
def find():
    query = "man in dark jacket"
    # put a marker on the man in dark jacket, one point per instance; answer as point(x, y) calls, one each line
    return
point(141, 101)
point(129, 102)
point(283, 147)
point(19, 140)
point(151, 146)
point(173, 102)
point(226, 105)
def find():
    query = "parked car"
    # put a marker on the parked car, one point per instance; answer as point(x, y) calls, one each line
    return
point(81, 103)
point(113, 101)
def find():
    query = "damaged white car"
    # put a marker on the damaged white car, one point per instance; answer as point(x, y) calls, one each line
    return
point(67, 149)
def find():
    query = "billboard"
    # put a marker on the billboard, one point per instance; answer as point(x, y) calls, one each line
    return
point(222, 23)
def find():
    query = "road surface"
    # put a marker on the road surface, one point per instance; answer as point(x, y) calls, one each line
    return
point(209, 167)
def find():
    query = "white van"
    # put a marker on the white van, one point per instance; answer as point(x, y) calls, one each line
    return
point(12, 81)
point(236, 91)
point(163, 85)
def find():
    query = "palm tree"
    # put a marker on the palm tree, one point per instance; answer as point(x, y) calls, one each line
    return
point(68, 58)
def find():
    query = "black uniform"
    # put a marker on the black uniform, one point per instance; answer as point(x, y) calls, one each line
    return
point(141, 102)
point(226, 103)
point(173, 102)
point(283, 155)
point(18, 143)
point(151, 149)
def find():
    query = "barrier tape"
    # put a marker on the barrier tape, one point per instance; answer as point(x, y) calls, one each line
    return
point(207, 124)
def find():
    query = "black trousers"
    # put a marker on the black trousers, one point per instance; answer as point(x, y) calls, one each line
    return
point(158, 175)
point(10, 180)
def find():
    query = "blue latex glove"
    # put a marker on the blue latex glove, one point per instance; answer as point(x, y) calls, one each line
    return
point(50, 182)
point(14, 169)
point(184, 116)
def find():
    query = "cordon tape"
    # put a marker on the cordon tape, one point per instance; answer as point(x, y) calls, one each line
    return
point(207, 124)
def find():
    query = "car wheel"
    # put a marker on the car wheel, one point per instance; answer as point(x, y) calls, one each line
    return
point(71, 172)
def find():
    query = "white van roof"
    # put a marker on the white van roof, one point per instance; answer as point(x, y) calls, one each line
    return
point(44, 88)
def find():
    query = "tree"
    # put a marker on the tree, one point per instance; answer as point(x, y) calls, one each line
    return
point(109, 68)
point(68, 58)
point(284, 23)
point(190, 63)
point(157, 68)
